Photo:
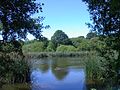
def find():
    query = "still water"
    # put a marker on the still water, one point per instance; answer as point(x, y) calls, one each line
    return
point(54, 74)
point(57, 74)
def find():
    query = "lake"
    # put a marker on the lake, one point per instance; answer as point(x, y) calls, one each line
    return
point(56, 74)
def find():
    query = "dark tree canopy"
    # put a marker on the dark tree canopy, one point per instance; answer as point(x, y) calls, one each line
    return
point(16, 20)
point(105, 15)
point(60, 37)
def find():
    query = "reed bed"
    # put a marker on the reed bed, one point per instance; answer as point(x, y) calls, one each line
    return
point(57, 54)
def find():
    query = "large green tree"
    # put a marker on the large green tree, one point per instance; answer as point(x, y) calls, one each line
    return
point(105, 15)
point(60, 37)
point(16, 20)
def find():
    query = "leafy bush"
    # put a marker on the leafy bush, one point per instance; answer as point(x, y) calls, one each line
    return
point(13, 69)
point(94, 68)
point(76, 41)
point(85, 45)
point(50, 47)
point(66, 48)
point(34, 47)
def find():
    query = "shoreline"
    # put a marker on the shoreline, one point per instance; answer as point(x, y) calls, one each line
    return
point(58, 54)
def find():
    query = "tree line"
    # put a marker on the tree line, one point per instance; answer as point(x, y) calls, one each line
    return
point(60, 42)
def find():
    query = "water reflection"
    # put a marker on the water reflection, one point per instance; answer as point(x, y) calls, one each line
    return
point(57, 74)
point(58, 71)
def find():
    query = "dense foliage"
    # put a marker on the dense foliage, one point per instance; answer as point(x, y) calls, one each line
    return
point(50, 47)
point(15, 24)
point(66, 48)
point(77, 44)
point(16, 20)
point(13, 69)
point(105, 15)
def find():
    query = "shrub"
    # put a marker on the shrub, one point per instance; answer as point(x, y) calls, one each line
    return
point(66, 48)
point(34, 47)
point(50, 47)
point(13, 70)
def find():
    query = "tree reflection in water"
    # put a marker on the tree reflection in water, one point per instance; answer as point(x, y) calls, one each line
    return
point(57, 74)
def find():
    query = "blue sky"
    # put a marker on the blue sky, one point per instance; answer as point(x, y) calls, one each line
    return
point(69, 16)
